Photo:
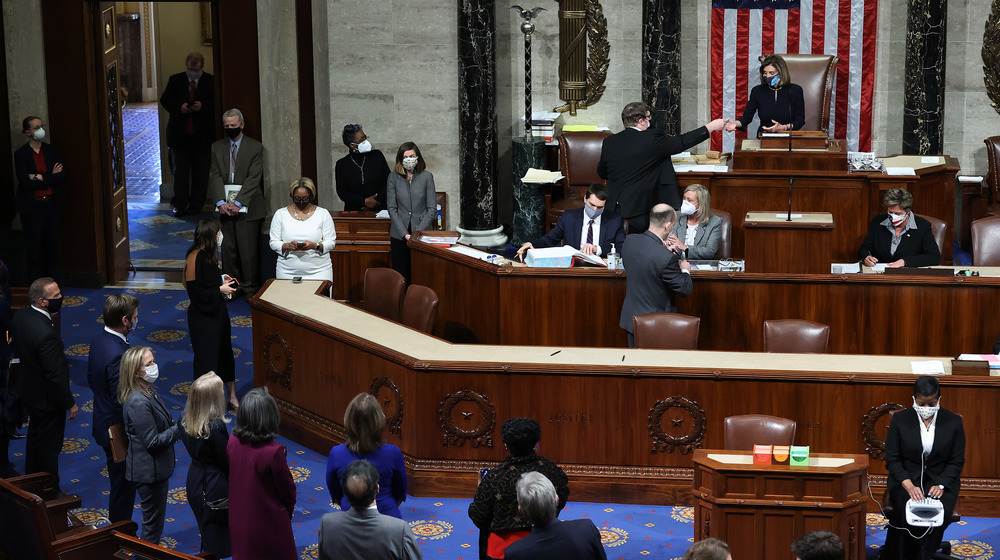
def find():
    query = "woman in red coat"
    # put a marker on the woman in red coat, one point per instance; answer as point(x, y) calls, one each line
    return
point(261, 490)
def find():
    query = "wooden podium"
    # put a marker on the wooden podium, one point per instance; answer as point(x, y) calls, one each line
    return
point(761, 509)
point(802, 246)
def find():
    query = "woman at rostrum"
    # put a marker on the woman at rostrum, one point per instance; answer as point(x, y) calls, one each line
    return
point(410, 194)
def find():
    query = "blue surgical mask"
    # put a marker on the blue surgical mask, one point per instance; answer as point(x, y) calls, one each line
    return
point(774, 80)
point(592, 213)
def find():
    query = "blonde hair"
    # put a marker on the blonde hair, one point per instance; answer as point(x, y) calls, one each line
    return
point(303, 183)
point(206, 402)
point(704, 212)
point(131, 363)
point(364, 421)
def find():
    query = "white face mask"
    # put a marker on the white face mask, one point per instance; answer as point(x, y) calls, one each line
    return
point(897, 219)
point(152, 374)
point(364, 147)
point(925, 412)
point(688, 209)
point(194, 75)
point(39, 134)
point(409, 163)
point(218, 240)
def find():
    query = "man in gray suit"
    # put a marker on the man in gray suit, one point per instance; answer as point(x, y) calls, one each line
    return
point(361, 532)
point(239, 160)
point(655, 272)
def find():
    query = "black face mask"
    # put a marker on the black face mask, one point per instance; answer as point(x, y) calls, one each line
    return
point(232, 133)
point(301, 203)
point(54, 305)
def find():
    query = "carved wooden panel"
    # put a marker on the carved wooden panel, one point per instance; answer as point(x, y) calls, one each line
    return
point(467, 416)
point(278, 360)
point(683, 427)
point(388, 396)
point(872, 428)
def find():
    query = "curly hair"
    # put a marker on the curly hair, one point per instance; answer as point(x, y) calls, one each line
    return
point(521, 435)
point(350, 130)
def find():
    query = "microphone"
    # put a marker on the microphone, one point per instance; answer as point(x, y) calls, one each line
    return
point(791, 181)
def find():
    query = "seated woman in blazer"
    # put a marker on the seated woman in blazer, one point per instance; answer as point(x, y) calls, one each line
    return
point(902, 238)
point(924, 454)
point(698, 233)
point(411, 201)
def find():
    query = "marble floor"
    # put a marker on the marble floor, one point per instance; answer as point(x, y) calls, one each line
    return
point(140, 124)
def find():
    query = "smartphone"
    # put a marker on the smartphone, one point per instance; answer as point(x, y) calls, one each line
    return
point(233, 281)
point(297, 280)
point(300, 244)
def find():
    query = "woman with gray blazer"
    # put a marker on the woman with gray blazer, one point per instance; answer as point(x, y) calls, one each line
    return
point(151, 435)
point(697, 232)
point(410, 199)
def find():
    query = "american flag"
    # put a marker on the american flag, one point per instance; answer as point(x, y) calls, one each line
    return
point(743, 30)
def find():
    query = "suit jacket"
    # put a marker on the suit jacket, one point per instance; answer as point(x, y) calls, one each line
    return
point(106, 351)
point(43, 381)
point(261, 501)
point(578, 539)
point(903, 451)
point(412, 206)
point(652, 276)
point(24, 165)
point(637, 167)
point(788, 108)
point(249, 174)
point(151, 436)
point(916, 248)
point(175, 95)
point(570, 225)
point(706, 240)
point(365, 535)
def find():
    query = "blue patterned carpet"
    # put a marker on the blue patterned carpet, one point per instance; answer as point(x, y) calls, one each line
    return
point(444, 530)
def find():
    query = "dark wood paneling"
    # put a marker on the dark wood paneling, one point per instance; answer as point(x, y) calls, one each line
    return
point(307, 91)
point(788, 251)
point(237, 65)
point(6, 164)
point(362, 243)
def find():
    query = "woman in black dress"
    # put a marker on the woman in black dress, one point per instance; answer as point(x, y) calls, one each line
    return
point(208, 318)
point(203, 430)
point(777, 101)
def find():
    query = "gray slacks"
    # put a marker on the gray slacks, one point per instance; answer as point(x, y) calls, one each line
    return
point(240, 240)
point(153, 502)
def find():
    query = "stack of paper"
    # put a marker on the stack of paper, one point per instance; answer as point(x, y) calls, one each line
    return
point(993, 359)
point(541, 176)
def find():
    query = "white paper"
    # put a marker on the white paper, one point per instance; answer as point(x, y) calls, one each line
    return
point(785, 215)
point(382, 214)
point(879, 267)
point(682, 155)
point(704, 267)
point(441, 239)
point(930, 159)
point(688, 167)
point(774, 135)
point(899, 171)
point(465, 250)
point(928, 367)
point(970, 178)
point(541, 176)
point(845, 268)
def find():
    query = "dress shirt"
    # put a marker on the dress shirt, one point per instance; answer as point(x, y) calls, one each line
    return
point(42, 311)
point(116, 333)
point(690, 234)
point(927, 433)
point(231, 144)
point(597, 232)
point(910, 224)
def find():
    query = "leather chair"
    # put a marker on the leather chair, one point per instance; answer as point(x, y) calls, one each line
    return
point(938, 228)
point(993, 175)
point(384, 289)
point(420, 308)
point(816, 74)
point(795, 336)
point(579, 154)
point(725, 250)
point(742, 432)
point(666, 331)
point(986, 241)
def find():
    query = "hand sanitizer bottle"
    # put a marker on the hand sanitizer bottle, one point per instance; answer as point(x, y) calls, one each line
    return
point(613, 258)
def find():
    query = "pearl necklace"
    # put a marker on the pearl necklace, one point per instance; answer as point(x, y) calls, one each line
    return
point(299, 217)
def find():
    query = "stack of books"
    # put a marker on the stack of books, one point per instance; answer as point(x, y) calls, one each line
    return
point(543, 124)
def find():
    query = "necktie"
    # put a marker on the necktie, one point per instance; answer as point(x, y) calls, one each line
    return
point(190, 123)
point(232, 163)
point(590, 232)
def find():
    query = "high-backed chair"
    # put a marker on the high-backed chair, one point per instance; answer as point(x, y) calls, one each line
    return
point(579, 154)
point(794, 336)
point(938, 229)
point(742, 432)
point(816, 74)
point(420, 308)
point(725, 250)
point(384, 289)
point(986, 241)
point(666, 331)
point(993, 175)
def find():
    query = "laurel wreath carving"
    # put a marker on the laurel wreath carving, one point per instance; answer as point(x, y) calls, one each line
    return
point(991, 56)
point(598, 55)
point(666, 442)
point(874, 444)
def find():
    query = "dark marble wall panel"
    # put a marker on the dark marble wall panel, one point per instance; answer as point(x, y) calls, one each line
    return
point(477, 116)
point(529, 200)
point(923, 105)
point(661, 62)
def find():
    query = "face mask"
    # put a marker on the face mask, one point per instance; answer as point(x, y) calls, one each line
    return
point(218, 240)
point(39, 134)
point(896, 220)
point(925, 412)
point(193, 75)
point(54, 305)
point(152, 374)
point(409, 163)
point(592, 212)
point(364, 147)
point(135, 325)
point(688, 209)
point(232, 133)
point(301, 203)
point(774, 80)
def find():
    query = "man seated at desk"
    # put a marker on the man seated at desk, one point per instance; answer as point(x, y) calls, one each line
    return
point(593, 235)
point(902, 238)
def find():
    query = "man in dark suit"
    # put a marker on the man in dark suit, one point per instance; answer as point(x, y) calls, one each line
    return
point(43, 380)
point(190, 99)
point(551, 539)
point(900, 239)
point(121, 315)
point(636, 163)
point(362, 533)
point(592, 235)
point(239, 160)
point(40, 198)
point(655, 272)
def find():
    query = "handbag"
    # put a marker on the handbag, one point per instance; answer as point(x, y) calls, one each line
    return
point(119, 442)
point(222, 504)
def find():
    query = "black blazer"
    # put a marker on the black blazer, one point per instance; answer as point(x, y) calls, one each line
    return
point(638, 169)
point(106, 351)
point(788, 108)
point(567, 231)
point(175, 95)
point(43, 380)
point(24, 165)
point(903, 451)
point(654, 274)
point(578, 539)
point(916, 248)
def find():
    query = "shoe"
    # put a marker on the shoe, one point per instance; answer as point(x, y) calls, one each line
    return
point(16, 435)
point(178, 212)
point(232, 407)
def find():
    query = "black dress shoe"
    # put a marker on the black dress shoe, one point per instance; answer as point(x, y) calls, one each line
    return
point(178, 212)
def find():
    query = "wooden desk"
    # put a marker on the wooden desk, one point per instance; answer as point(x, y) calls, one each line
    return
point(801, 246)
point(485, 303)
point(622, 423)
point(362, 242)
point(761, 509)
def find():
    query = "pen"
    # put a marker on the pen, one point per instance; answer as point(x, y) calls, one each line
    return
point(556, 352)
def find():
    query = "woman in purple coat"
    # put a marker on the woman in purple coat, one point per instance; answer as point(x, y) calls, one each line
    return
point(261, 490)
point(364, 422)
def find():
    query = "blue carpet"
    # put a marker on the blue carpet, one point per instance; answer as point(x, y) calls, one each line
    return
point(158, 240)
point(629, 531)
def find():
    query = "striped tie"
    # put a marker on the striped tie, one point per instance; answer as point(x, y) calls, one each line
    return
point(590, 232)
point(232, 163)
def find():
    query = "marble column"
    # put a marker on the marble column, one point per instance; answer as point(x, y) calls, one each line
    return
point(923, 101)
point(661, 62)
point(477, 124)
point(529, 200)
